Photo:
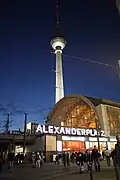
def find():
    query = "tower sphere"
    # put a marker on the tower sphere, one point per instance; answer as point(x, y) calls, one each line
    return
point(58, 42)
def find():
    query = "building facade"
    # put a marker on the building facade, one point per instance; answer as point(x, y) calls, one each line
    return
point(85, 119)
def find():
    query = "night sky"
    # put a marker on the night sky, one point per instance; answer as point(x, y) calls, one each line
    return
point(27, 77)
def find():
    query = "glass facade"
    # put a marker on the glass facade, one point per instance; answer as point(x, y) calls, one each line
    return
point(102, 145)
point(113, 114)
point(74, 112)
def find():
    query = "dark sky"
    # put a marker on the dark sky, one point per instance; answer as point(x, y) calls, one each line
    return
point(27, 77)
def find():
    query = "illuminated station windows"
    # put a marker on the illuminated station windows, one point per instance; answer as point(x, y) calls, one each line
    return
point(76, 119)
point(74, 112)
point(78, 123)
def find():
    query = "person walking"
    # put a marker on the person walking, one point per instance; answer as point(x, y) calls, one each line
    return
point(64, 159)
point(11, 158)
point(117, 157)
point(113, 156)
point(33, 159)
point(80, 159)
point(1, 162)
point(67, 159)
point(72, 158)
point(42, 159)
point(95, 158)
point(88, 158)
point(107, 154)
point(57, 159)
point(38, 160)
point(103, 154)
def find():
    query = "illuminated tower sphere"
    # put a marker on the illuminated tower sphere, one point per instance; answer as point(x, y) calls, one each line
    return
point(58, 43)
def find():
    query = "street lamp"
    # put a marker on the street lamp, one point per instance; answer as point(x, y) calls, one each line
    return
point(98, 133)
point(24, 137)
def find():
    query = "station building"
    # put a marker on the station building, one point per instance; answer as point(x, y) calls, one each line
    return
point(78, 122)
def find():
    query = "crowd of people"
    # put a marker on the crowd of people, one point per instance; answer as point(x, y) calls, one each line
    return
point(7, 159)
point(85, 160)
point(92, 158)
point(38, 159)
point(10, 159)
point(82, 159)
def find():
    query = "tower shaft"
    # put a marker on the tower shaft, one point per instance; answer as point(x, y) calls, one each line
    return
point(59, 76)
point(58, 43)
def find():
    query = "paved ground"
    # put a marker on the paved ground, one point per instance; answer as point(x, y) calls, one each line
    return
point(55, 172)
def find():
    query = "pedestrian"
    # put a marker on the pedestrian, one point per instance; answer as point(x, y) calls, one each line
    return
point(64, 159)
point(38, 160)
point(117, 157)
point(108, 156)
point(103, 154)
point(80, 159)
point(33, 159)
point(60, 158)
point(113, 156)
point(67, 159)
point(42, 159)
point(1, 162)
point(72, 158)
point(56, 159)
point(88, 159)
point(96, 159)
point(11, 158)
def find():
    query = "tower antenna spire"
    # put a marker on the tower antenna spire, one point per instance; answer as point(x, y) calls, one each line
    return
point(57, 11)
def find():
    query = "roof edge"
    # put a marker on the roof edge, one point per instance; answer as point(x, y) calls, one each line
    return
point(84, 98)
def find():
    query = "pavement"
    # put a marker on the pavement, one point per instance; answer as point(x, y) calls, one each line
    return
point(50, 171)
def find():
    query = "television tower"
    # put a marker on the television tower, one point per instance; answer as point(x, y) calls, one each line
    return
point(58, 43)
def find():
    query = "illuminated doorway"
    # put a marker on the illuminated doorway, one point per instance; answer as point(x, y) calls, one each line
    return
point(73, 146)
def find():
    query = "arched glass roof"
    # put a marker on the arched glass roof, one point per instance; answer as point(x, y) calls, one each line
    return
point(74, 111)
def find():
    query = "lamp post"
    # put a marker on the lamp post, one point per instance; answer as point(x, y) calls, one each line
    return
point(24, 136)
point(98, 134)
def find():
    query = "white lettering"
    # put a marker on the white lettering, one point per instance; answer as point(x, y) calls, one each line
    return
point(78, 132)
point(102, 133)
point(39, 129)
point(67, 131)
point(95, 133)
point(56, 130)
point(62, 130)
point(87, 132)
point(83, 132)
point(73, 131)
point(91, 132)
point(44, 129)
point(50, 129)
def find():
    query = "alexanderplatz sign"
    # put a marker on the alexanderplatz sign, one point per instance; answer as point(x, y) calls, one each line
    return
point(43, 129)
